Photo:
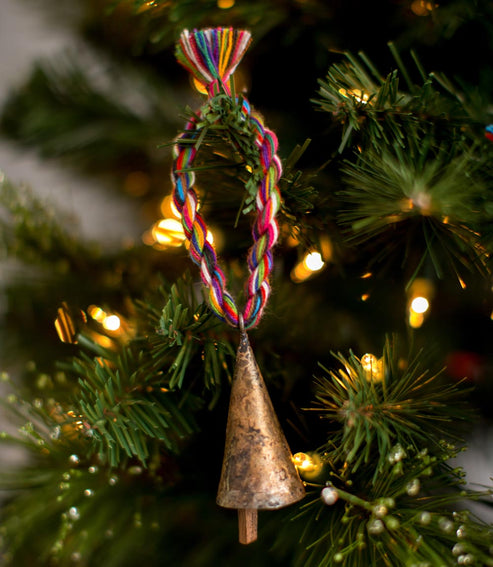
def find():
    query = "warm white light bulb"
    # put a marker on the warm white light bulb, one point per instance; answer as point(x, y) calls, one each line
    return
point(169, 232)
point(313, 261)
point(309, 465)
point(369, 361)
point(420, 304)
point(302, 461)
point(111, 323)
point(373, 367)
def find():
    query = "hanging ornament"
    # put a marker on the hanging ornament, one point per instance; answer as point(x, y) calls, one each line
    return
point(488, 132)
point(258, 472)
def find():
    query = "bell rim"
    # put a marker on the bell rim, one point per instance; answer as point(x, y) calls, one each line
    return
point(238, 500)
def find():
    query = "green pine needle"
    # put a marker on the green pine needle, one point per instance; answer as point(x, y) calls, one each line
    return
point(393, 403)
point(378, 110)
point(65, 113)
point(125, 411)
point(38, 234)
point(441, 195)
point(412, 513)
point(394, 498)
point(186, 346)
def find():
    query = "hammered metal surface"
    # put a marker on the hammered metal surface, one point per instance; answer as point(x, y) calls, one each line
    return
point(258, 471)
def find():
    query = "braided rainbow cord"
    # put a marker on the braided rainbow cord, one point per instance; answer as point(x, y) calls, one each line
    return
point(211, 55)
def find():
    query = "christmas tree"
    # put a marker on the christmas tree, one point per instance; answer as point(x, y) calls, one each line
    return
point(315, 174)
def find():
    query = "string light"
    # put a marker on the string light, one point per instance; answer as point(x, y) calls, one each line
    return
point(112, 323)
point(311, 263)
point(225, 4)
point(109, 321)
point(420, 304)
point(416, 319)
point(302, 461)
point(168, 208)
point(309, 465)
point(373, 367)
point(96, 313)
point(420, 294)
point(74, 426)
point(420, 201)
point(290, 235)
point(148, 5)
point(366, 276)
point(64, 325)
point(326, 248)
point(329, 495)
point(168, 232)
point(67, 323)
point(357, 94)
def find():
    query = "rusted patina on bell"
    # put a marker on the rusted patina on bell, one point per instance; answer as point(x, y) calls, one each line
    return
point(258, 472)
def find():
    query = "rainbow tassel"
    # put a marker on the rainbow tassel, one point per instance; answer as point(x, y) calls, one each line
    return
point(212, 55)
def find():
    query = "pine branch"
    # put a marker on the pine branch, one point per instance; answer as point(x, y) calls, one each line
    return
point(299, 196)
point(54, 264)
point(63, 506)
point(184, 333)
point(415, 516)
point(37, 234)
point(380, 406)
point(125, 410)
point(66, 113)
point(422, 186)
point(223, 124)
point(135, 394)
point(382, 491)
point(417, 152)
point(376, 108)
point(228, 159)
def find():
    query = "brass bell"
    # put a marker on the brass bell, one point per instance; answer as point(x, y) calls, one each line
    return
point(258, 471)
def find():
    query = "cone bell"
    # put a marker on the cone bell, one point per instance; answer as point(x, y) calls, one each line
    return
point(258, 472)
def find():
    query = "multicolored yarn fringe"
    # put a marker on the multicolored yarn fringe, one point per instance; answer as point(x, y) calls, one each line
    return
point(212, 55)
